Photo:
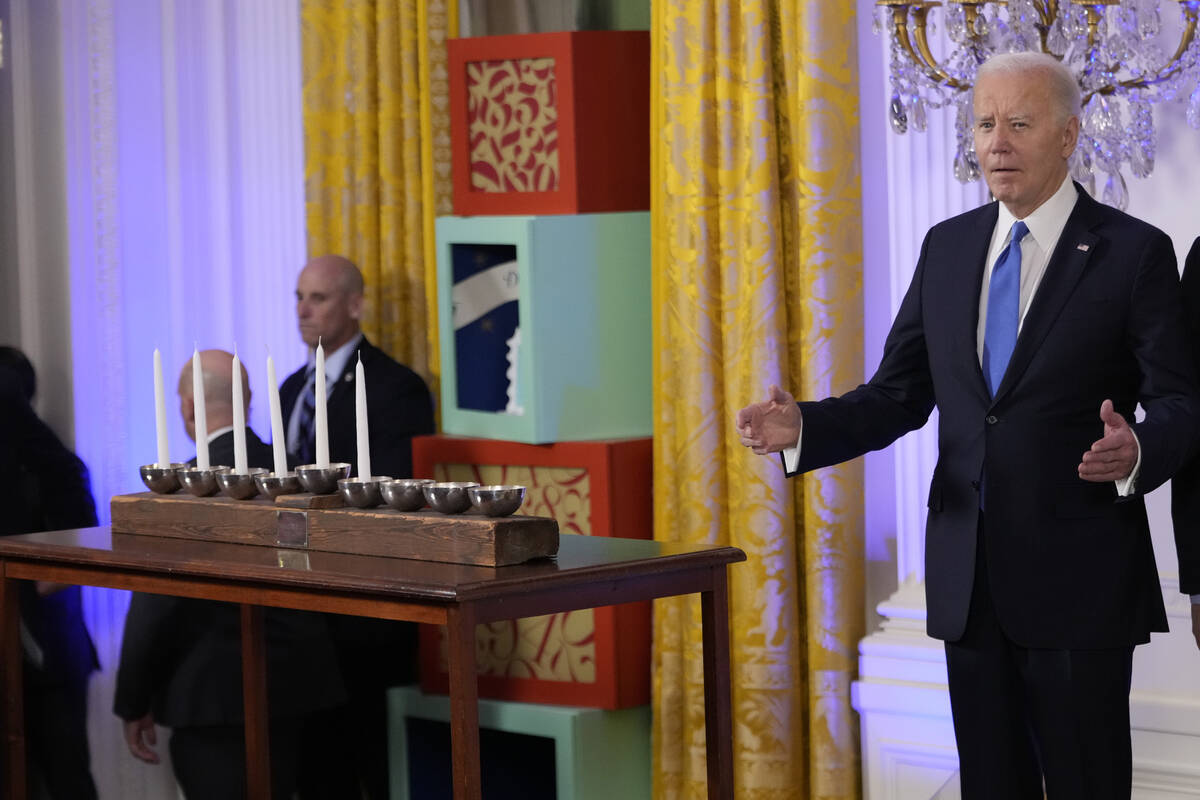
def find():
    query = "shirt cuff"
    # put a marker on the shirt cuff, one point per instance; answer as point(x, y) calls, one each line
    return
point(791, 455)
point(1128, 485)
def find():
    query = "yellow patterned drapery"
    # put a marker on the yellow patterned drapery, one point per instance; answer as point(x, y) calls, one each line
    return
point(757, 256)
point(377, 156)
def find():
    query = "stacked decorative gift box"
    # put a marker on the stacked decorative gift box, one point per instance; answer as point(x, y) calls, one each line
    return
point(545, 329)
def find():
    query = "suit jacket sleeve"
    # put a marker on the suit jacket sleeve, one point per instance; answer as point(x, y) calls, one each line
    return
point(408, 412)
point(145, 653)
point(897, 399)
point(1157, 340)
point(64, 497)
point(1185, 488)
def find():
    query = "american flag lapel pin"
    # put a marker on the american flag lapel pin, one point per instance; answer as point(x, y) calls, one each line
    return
point(1083, 247)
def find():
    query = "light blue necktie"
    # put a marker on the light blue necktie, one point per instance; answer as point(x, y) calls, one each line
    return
point(1004, 299)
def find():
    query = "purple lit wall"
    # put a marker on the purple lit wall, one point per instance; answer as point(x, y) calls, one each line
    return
point(185, 194)
point(185, 205)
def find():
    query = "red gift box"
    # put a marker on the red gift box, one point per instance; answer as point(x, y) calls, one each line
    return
point(593, 657)
point(550, 123)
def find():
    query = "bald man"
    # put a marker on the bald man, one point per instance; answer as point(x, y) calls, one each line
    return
point(348, 751)
point(217, 368)
point(329, 304)
point(181, 658)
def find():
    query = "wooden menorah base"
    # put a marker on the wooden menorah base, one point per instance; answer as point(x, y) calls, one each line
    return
point(318, 522)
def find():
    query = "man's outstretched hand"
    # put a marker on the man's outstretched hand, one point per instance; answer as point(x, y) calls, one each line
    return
point(1114, 455)
point(772, 425)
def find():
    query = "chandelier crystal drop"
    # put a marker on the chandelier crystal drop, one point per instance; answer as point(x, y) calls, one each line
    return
point(1111, 46)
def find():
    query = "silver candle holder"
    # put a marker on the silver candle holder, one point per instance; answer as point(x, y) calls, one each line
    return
point(449, 497)
point(161, 479)
point(240, 486)
point(405, 494)
point(201, 482)
point(362, 492)
point(273, 484)
point(322, 480)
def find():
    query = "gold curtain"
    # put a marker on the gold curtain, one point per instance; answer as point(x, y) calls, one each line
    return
point(757, 279)
point(377, 156)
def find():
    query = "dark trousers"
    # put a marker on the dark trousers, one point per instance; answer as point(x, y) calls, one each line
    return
point(1024, 715)
point(210, 760)
point(56, 739)
point(345, 749)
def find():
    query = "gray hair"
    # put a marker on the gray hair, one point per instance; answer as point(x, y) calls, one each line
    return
point(1063, 87)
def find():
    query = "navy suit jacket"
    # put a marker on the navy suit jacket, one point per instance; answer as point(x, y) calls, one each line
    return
point(399, 407)
point(1069, 565)
point(1185, 488)
point(44, 487)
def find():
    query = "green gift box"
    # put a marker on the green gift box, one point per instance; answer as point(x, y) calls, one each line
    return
point(545, 326)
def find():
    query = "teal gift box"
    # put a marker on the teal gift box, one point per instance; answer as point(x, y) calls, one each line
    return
point(596, 755)
point(544, 326)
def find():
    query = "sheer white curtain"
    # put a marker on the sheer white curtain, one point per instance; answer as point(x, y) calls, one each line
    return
point(185, 206)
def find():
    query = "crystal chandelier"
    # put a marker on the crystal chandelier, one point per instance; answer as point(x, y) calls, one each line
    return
point(1113, 52)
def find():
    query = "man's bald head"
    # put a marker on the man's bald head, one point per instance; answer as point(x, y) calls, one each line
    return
point(329, 299)
point(217, 369)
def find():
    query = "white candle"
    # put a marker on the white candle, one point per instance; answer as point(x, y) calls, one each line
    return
point(239, 419)
point(360, 417)
point(321, 424)
point(199, 411)
point(277, 440)
point(160, 412)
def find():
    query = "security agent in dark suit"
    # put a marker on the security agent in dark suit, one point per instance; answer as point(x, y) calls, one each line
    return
point(43, 487)
point(1040, 575)
point(1185, 488)
point(181, 658)
point(374, 654)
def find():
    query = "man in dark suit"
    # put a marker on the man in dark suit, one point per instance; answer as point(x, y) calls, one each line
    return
point(329, 302)
point(1185, 488)
point(181, 658)
point(1035, 325)
point(374, 654)
point(43, 487)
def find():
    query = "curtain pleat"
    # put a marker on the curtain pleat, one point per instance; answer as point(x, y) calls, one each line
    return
point(376, 127)
point(756, 230)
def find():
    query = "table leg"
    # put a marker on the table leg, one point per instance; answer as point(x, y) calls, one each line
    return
point(464, 703)
point(254, 698)
point(718, 715)
point(12, 723)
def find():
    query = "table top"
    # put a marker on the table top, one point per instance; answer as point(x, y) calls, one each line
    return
point(580, 559)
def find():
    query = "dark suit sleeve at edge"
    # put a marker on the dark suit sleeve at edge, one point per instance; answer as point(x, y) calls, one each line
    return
point(1185, 487)
point(1156, 331)
point(407, 411)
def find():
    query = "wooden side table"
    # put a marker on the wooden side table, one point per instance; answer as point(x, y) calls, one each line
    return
point(588, 572)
